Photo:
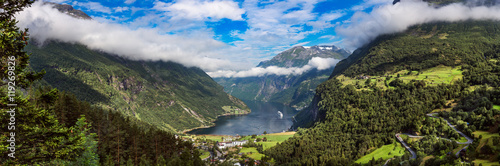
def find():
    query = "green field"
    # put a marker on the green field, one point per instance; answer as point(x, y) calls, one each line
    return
point(272, 139)
point(204, 154)
point(485, 162)
point(432, 76)
point(497, 107)
point(385, 152)
point(255, 154)
point(485, 139)
point(462, 139)
point(485, 134)
point(460, 147)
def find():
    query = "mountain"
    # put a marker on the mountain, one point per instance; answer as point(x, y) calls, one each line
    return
point(52, 127)
point(389, 85)
point(299, 56)
point(165, 94)
point(68, 9)
point(295, 90)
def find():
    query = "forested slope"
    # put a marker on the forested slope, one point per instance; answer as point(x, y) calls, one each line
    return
point(369, 97)
point(55, 128)
point(165, 94)
point(43, 126)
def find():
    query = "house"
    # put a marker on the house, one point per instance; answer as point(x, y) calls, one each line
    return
point(240, 143)
point(222, 145)
point(364, 77)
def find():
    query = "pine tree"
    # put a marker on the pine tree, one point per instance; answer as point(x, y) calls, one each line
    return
point(87, 139)
point(12, 42)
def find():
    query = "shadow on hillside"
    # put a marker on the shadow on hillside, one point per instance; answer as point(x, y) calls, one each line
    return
point(81, 90)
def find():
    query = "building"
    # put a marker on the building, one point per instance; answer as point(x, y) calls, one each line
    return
point(222, 145)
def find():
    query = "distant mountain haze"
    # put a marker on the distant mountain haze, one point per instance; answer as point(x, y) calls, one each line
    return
point(295, 90)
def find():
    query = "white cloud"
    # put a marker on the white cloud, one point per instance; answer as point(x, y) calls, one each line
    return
point(315, 63)
point(276, 25)
point(93, 6)
point(390, 18)
point(331, 37)
point(370, 3)
point(58, 1)
point(121, 9)
point(324, 21)
point(44, 23)
point(205, 10)
point(129, 1)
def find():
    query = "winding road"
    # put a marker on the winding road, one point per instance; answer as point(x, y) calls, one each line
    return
point(414, 155)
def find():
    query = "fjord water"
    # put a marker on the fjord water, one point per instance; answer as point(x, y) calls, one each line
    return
point(264, 117)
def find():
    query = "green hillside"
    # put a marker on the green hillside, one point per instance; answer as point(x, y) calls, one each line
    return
point(389, 85)
point(164, 94)
point(45, 126)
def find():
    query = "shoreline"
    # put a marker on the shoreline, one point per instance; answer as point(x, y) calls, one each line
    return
point(216, 118)
point(268, 134)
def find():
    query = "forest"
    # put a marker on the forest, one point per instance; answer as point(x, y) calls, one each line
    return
point(53, 127)
point(353, 120)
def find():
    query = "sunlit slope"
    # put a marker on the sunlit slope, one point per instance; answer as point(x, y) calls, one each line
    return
point(166, 94)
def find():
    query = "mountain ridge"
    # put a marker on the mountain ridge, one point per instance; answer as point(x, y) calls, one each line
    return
point(165, 94)
point(69, 10)
point(389, 85)
point(293, 90)
point(299, 56)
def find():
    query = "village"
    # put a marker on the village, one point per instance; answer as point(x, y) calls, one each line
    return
point(236, 150)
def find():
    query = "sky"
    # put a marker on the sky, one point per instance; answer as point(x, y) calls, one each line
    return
point(228, 38)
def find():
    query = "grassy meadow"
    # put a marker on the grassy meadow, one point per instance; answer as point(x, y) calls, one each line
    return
point(385, 152)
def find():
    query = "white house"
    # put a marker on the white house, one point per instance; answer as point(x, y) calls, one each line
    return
point(222, 145)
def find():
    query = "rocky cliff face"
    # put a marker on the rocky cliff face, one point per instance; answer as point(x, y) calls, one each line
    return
point(293, 90)
point(68, 9)
point(165, 94)
point(299, 56)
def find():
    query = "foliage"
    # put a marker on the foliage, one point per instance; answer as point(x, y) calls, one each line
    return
point(12, 42)
point(121, 138)
point(348, 119)
point(385, 152)
point(165, 94)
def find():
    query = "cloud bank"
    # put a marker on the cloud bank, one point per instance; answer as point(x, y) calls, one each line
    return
point(387, 19)
point(189, 9)
point(44, 23)
point(315, 63)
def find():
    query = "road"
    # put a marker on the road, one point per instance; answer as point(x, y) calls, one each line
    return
point(469, 140)
point(414, 155)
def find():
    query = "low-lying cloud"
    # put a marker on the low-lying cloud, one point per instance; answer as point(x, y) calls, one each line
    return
point(387, 19)
point(45, 22)
point(315, 63)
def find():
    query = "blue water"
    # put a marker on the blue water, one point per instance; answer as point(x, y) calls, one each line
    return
point(264, 117)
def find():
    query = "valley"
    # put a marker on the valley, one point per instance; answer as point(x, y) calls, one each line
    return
point(199, 83)
point(295, 90)
point(262, 118)
point(154, 92)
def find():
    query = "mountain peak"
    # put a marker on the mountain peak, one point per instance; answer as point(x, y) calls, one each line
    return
point(299, 56)
point(69, 10)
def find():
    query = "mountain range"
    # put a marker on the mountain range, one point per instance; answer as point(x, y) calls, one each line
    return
point(391, 85)
point(294, 90)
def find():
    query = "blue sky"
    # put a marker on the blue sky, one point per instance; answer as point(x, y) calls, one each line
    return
point(263, 27)
point(229, 38)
